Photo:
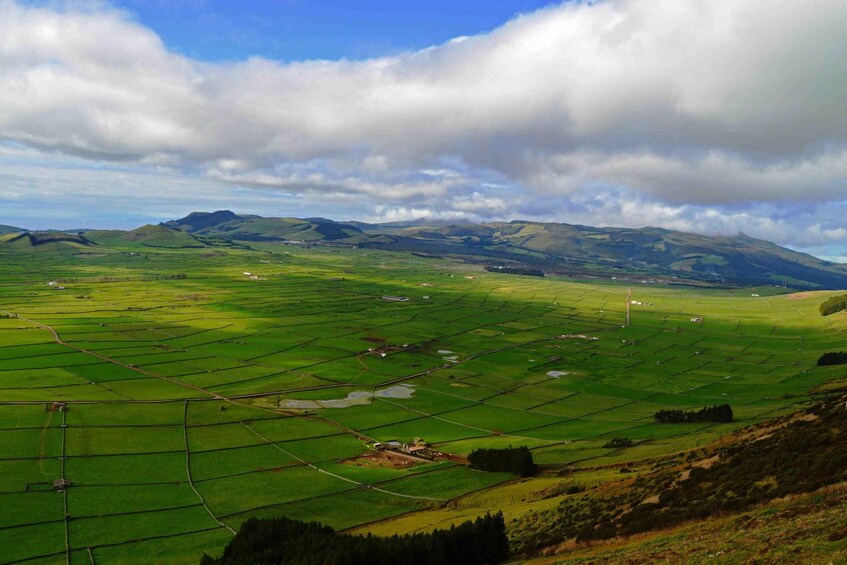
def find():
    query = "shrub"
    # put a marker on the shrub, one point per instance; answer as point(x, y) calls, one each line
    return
point(718, 414)
point(833, 305)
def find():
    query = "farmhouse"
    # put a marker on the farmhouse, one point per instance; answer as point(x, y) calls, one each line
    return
point(55, 407)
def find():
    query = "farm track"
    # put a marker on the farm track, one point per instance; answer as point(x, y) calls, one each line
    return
point(188, 471)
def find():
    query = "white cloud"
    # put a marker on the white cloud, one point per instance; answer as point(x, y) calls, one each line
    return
point(698, 105)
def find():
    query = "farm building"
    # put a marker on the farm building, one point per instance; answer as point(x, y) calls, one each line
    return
point(697, 319)
point(55, 407)
point(420, 451)
point(61, 484)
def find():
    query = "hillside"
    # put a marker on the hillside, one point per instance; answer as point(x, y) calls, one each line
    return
point(45, 241)
point(226, 224)
point(756, 480)
point(10, 229)
point(552, 247)
point(802, 529)
point(145, 236)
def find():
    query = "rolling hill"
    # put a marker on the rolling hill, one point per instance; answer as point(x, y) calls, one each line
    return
point(10, 229)
point(45, 241)
point(226, 224)
point(553, 247)
point(148, 236)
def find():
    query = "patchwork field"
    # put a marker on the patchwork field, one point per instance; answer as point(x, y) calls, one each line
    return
point(204, 387)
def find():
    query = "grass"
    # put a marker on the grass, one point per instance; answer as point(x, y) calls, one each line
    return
point(141, 342)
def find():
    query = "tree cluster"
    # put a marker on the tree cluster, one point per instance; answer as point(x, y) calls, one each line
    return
point(282, 540)
point(832, 358)
point(718, 414)
point(515, 270)
point(517, 460)
point(833, 305)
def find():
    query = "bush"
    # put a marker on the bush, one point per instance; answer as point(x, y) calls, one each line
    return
point(832, 358)
point(833, 305)
point(618, 443)
point(517, 460)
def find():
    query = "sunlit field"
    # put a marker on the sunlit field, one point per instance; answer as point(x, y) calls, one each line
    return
point(203, 387)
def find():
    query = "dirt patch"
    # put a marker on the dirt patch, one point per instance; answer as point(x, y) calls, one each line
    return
point(374, 339)
point(798, 296)
point(384, 459)
point(707, 463)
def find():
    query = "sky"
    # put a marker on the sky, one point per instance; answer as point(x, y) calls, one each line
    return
point(711, 116)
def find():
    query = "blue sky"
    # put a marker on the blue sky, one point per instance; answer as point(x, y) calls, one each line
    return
point(294, 30)
point(714, 117)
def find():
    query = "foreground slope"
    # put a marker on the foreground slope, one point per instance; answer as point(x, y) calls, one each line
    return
point(745, 477)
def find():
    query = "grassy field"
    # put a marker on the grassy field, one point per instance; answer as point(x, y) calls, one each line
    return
point(182, 369)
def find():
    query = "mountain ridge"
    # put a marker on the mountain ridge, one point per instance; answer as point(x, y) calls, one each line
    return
point(515, 246)
point(554, 247)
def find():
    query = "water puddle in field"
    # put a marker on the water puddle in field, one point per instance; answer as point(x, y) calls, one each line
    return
point(397, 391)
point(557, 374)
point(355, 398)
point(452, 359)
point(444, 352)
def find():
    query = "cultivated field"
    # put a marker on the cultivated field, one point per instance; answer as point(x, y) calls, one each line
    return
point(204, 387)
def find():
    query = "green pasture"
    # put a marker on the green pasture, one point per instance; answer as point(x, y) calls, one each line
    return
point(178, 372)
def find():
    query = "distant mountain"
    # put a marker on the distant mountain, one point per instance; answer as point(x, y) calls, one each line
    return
point(517, 247)
point(740, 258)
point(224, 223)
point(553, 247)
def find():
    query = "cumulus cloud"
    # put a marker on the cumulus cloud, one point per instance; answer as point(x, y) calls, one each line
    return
point(700, 105)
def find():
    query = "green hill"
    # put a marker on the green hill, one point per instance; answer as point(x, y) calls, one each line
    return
point(555, 248)
point(10, 229)
point(226, 224)
point(45, 242)
point(147, 236)
point(655, 251)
